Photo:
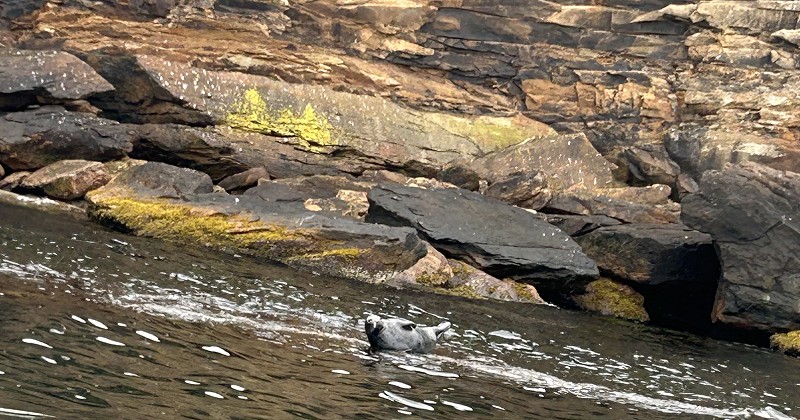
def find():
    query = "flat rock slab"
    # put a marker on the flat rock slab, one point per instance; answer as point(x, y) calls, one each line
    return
point(36, 138)
point(163, 201)
point(500, 239)
point(753, 213)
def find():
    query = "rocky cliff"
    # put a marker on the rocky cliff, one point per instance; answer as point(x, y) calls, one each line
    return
point(661, 136)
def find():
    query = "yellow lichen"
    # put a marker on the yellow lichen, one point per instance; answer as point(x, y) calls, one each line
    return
point(252, 113)
point(492, 133)
point(610, 298)
point(436, 278)
point(462, 290)
point(526, 292)
point(348, 254)
point(787, 343)
point(178, 222)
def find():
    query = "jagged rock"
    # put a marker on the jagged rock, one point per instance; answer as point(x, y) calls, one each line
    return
point(29, 77)
point(461, 225)
point(607, 297)
point(244, 179)
point(431, 270)
point(13, 180)
point(163, 201)
point(753, 214)
point(651, 164)
point(685, 185)
point(39, 137)
point(652, 254)
point(698, 148)
point(2, 172)
point(348, 203)
point(68, 179)
point(527, 190)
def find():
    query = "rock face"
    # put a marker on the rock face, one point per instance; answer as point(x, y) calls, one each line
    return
point(753, 214)
point(458, 223)
point(68, 179)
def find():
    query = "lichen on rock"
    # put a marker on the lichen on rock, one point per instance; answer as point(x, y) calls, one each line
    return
point(610, 298)
point(788, 343)
point(253, 113)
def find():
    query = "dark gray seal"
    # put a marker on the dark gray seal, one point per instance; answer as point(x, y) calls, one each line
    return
point(402, 335)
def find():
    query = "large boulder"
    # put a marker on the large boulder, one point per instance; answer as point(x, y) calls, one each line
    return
point(68, 179)
point(28, 77)
point(753, 214)
point(502, 240)
point(675, 268)
point(39, 137)
point(163, 201)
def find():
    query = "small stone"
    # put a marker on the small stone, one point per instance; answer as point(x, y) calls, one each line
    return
point(13, 180)
point(244, 180)
point(68, 179)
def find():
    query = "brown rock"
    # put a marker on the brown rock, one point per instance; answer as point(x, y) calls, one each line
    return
point(13, 180)
point(68, 179)
point(523, 190)
point(245, 179)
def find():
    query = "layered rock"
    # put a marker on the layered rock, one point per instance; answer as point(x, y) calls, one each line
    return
point(68, 179)
point(753, 214)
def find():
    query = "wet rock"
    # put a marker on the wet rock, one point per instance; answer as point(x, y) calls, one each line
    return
point(41, 204)
point(29, 77)
point(468, 281)
point(607, 297)
point(753, 214)
point(245, 179)
point(527, 190)
point(460, 224)
point(163, 201)
point(12, 181)
point(39, 137)
point(68, 179)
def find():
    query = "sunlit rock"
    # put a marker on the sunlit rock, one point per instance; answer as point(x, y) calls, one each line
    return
point(68, 179)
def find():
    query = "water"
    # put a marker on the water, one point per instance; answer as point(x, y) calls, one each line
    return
point(97, 324)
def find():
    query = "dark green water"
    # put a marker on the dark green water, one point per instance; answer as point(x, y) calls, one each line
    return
point(96, 324)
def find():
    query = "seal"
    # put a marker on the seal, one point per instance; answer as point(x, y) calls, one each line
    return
point(402, 335)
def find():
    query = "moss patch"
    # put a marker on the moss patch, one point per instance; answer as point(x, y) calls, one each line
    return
point(524, 292)
point(437, 278)
point(252, 113)
point(788, 343)
point(611, 298)
point(463, 291)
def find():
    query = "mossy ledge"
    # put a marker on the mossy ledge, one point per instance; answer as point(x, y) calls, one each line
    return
point(610, 298)
point(301, 248)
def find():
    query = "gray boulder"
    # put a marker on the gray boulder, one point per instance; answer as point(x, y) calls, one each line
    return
point(753, 214)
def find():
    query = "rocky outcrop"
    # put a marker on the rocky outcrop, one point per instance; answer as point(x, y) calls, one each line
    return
point(38, 137)
point(164, 201)
point(753, 214)
point(459, 224)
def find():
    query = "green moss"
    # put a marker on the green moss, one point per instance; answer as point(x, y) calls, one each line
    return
point(788, 343)
point(524, 292)
point(610, 298)
point(252, 113)
point(344, 254)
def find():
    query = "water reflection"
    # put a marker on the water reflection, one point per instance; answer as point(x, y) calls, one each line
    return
point(99, 324)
